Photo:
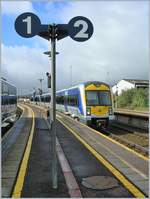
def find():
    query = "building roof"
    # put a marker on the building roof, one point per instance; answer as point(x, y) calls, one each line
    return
point(137, 81)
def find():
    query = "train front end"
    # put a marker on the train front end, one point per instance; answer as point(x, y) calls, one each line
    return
point(99, 104)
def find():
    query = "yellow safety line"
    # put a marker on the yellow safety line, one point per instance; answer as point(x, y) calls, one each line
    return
point(122, 160)
point(131, 187)
point(13, 125)
point(108, 138)
point(21, 175)
point(112, 140)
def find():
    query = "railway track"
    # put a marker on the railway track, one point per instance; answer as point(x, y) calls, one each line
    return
point(10, 125)
point(130, 137)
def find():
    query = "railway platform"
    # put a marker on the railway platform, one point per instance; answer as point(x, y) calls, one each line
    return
point(133, 118)
point(82, 153)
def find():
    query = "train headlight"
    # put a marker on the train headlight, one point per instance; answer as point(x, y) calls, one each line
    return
point(88, 111)
point(110, 111)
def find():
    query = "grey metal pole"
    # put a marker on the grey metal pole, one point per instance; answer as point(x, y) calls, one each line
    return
point(53, 108)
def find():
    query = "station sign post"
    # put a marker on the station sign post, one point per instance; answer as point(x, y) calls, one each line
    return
point(79, 29)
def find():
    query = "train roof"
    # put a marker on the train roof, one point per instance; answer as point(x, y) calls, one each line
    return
point(94, 82)
point(4, 80)
point(76, 86)
point(85, 84)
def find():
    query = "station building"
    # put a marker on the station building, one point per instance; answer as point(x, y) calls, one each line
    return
point(126, 84)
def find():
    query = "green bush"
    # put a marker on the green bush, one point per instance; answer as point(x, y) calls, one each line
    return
point(133, 99)
point(140, 99)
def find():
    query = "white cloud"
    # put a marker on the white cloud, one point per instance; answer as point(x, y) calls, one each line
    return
point(118, 48)
point(22, 66)
point(16, 7)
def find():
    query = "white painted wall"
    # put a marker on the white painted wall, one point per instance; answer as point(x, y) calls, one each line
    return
point(122, 86)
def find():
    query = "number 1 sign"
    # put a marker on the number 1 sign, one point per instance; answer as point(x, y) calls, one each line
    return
point(27, 25)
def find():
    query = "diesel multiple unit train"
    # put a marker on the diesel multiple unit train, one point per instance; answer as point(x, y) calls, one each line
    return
point(90, 102)
point(8, 101)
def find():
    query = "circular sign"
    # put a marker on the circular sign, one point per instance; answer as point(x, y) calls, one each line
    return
point(27, 24)
point(80, 28)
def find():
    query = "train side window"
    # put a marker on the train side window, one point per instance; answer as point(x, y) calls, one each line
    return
point(67, 99)
point(47, 98)
point(62, 99)
point(57, 99)
point(6, 100)
point(42, 98)
point(73, 100)
point(2, 100)
point(9, 100)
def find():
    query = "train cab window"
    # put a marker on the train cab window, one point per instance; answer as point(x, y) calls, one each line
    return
point(92, 98)
point(104, 98)
point(98, 98)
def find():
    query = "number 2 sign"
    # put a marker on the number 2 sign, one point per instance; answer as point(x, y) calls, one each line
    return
point(80, 28)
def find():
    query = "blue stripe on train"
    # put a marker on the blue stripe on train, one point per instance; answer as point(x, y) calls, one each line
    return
point(76, 91)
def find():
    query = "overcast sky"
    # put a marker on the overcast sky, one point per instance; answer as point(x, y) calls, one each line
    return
point(118, 48)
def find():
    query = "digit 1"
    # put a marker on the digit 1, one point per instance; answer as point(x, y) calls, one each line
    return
point(28, 20)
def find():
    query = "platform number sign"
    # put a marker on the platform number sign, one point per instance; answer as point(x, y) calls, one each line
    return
point(80, 28)
point(27, 25)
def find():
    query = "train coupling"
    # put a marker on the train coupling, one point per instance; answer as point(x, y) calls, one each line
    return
point(101, 123)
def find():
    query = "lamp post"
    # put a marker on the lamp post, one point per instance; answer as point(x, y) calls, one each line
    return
point(52, 109)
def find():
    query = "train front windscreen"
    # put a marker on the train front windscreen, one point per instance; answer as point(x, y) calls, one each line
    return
point(98, 98)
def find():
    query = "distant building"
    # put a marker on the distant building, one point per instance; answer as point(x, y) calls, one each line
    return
point(126, 84)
